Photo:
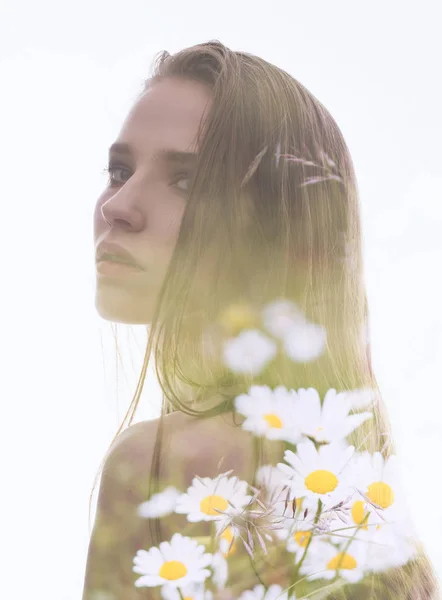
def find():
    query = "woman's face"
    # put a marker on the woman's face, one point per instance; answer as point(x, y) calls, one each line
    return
point(142, 206)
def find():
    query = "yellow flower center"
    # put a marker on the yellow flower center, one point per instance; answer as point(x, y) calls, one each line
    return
point(358, 513)
point(302, 537)
point(227, 534)
point(321, 482)
point(209, 503)
point(237, 317)
point(173, 569)
point(342, 561)
point(381, 493)
point(273, 420)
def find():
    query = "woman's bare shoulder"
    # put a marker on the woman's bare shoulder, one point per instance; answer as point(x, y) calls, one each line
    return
point(187, 432)
point(179, 423)
point(194, 445)
point(204, 446)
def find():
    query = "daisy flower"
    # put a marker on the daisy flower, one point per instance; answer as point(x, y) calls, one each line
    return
point(299, 536)
point(177, 563)
point(318, 474)
point(270, 413)
point(192, 591)
point(325, 561)
point(249, 352)
point(380, 482)
point(160, 504)
point(330, 421)
point(238, 316)
point(206, 497)
point(357, 517)
point(260, 593)
point(281, 315)
point(304, 342)
point(387, 549)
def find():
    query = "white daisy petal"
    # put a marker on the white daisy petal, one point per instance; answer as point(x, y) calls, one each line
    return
point(280, 315)
point(306, 453)
point(195, 591)
point(160, 504)
point(220, 570)
point(273, 592)
point(353, 421)
point(305, 342)
point(361, 398)
point(386, 549)
point(249, 352)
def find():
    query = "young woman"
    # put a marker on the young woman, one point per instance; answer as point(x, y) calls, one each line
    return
point(230, 186)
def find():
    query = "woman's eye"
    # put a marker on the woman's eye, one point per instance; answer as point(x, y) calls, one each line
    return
point(112, 182)
point(183, 177)
point(110, 169)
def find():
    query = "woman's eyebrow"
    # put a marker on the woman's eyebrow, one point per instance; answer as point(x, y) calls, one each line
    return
point(168, 155)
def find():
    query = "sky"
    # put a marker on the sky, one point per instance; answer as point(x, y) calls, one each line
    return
point(69, 73)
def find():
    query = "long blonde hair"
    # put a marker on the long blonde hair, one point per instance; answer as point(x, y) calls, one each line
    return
point(273, 212)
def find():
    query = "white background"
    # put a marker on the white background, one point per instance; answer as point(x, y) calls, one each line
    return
point(68, 75)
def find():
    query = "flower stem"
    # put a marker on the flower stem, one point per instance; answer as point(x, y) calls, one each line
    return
point(213, 538)
point(361, 524)
point(299, 564)
point(180, 593)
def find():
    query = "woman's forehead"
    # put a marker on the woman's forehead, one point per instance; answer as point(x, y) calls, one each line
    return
point(170, 110)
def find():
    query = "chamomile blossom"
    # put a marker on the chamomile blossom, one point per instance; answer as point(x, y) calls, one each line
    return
point(249, 352)
point(318, 474)
point(177, 563)
point(281, 315)
point(386, 548)
point(270, 413)
point(380, 483)
point(192, 591)
point(271, 593)
point(238, 316)
point(299, 535)
point(160, 504)
point(207, 499)
point(304, 342)
point(330, 421)
point(376, 505)
point(325, 561)
point(356, 518)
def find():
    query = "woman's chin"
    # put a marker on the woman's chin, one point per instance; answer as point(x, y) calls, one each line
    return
point(120, 307)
